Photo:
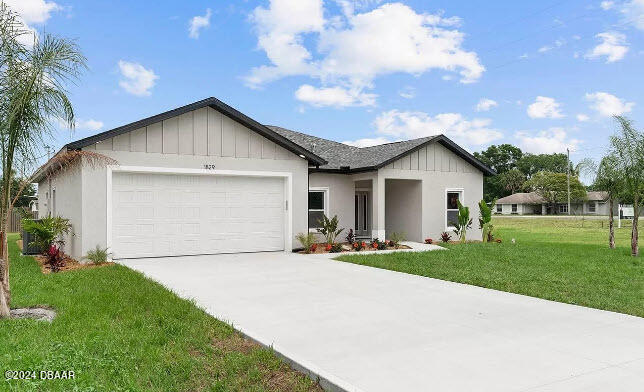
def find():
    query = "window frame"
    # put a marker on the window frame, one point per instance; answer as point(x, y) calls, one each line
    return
point(594, 207)
point(514, 208)
point(461, 198)
point(563, 208)
point(325, 210)
point(499, 208)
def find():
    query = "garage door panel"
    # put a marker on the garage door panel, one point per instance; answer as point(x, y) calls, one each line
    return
point(166, 215)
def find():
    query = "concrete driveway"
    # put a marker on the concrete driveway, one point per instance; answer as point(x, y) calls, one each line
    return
point(367, 329)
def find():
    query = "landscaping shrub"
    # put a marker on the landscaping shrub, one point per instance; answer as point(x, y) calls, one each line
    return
point(445, 237)
point(307, 240)
point(55, 258)
point(359, 245)
point(485, 221)
point(98, 255)
point(429, 241)
point(336, 248)
point(463, 223)
point(397, 238)
point(351, 237)
point(329, 228)
point(47, 231)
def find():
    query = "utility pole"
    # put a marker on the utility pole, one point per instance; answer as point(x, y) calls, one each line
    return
point(568, 178)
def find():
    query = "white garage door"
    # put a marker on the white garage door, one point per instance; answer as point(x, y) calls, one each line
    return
point(172, 215)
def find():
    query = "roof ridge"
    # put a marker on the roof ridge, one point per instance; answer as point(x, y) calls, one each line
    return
point(312, 136)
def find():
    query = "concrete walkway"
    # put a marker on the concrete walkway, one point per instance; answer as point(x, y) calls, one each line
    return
point(367, 329)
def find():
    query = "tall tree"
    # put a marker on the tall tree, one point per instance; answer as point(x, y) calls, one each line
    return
point(32, 95)
point(501, 159)
point(628, 148)
point(512, 180)
point(553, 187)
point(530, 164)
point(609, 179)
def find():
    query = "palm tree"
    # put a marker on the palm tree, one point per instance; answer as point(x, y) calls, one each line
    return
point(610, 180)
point(628, 148)
point(32, 98)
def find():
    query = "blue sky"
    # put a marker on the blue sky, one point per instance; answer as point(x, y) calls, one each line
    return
point(542, 75)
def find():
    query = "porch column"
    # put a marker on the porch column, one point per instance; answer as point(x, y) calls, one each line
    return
point(378, 207)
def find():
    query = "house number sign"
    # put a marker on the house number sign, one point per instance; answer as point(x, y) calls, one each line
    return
point(208, 166)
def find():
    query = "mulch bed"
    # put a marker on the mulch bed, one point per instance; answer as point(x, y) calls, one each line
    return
point(71, 264)
point(321, 248)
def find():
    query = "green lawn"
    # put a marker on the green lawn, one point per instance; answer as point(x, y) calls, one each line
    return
point(119, 331)
point(558, 259)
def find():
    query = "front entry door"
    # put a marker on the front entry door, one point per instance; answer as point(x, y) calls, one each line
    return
point(362, 215)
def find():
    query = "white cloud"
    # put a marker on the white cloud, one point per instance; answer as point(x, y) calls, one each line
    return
point(410, 125)
point(137, 79)
point(606, 5)
point(30, 12)
point(582, 117)
point(333, 96)
point(408, 92)
point(198, 23)
point(545, 107)
point(486, 104)
point(353, 49)
point(613, 46)
point(633, 12)
point(557, 44)
point(33, 11)
point(89, 125)
point(367, 142)
point(607, 104)
point(546, 142)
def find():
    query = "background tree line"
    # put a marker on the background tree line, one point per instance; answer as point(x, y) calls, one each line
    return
point(515, 168)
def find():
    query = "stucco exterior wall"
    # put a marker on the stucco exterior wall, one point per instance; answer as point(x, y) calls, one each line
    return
point(341, 197)
point(67, 185)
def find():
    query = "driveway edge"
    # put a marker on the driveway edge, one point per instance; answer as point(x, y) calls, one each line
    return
point(327, 382)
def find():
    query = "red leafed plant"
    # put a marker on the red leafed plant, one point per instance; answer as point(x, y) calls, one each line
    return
point(428, 240)
point(55, 258)
point(314, 247)
point(329, 247)
point(445, 237)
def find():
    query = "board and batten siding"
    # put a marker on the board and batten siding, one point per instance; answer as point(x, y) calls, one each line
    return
point(433, 157)
point(201, 132)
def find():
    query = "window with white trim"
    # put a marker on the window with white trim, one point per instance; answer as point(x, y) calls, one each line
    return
point(592, 207)
point(499, 208)
point(318, 206)
point(563, 208)
point(451, 212)
point(515, 208)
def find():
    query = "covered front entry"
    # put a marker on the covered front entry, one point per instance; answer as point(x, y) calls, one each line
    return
point(403, 208)
point(179, 214)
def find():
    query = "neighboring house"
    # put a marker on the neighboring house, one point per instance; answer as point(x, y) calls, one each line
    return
point(206, 179)
point(596, 203)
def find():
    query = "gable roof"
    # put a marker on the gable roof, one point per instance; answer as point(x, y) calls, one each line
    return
point(349, 159)
point(218, 106)
point(534, 198)
point(325, 155)
point(522, 198)
point(597, 195)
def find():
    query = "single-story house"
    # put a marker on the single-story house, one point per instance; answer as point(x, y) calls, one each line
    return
point(205, 179)
point(531, 203)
